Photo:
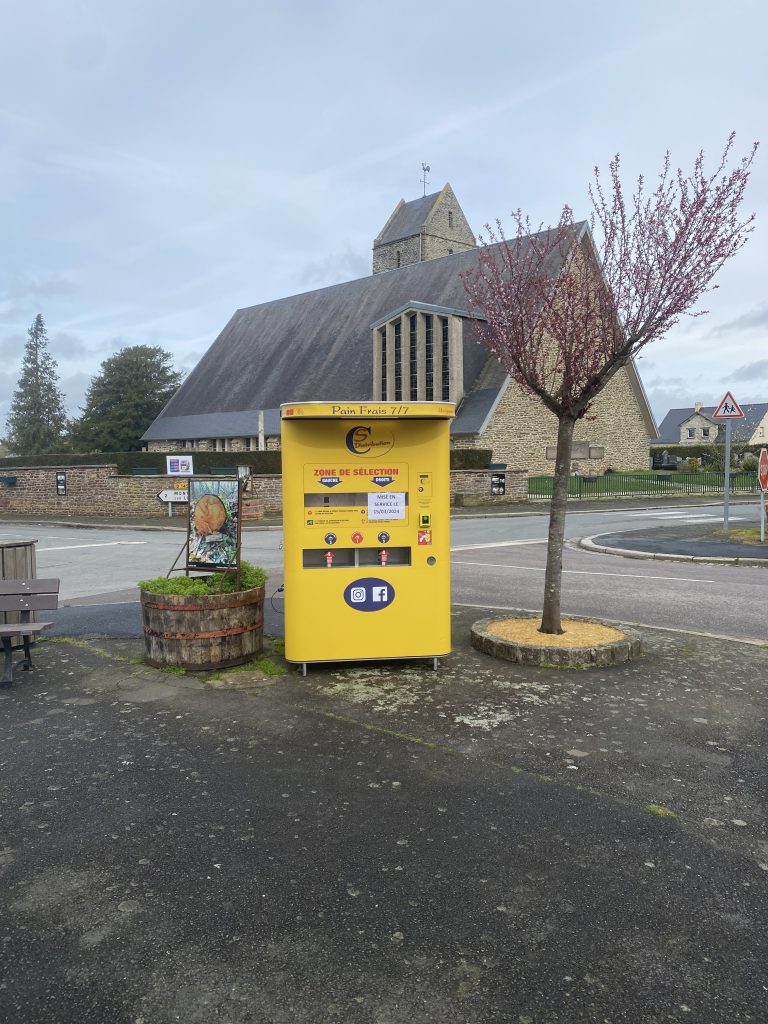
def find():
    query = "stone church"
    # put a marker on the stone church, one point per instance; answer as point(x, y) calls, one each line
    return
point(402, 334)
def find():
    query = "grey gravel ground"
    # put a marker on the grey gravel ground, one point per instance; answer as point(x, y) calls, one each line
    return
point(382, 843)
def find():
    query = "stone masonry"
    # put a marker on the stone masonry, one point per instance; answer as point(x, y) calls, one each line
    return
point(521, 428)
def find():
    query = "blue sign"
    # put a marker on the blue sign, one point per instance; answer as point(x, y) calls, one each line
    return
point(369, 594)
point(330, 481)
point(330, 538)
point(382, 481)
point(383, 537)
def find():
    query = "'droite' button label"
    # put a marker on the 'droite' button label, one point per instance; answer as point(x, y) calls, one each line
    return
point(369, 595)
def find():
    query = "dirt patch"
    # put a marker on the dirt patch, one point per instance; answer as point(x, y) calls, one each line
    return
point(577, 633)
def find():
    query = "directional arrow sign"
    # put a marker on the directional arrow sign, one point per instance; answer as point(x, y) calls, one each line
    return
point(330, 481)
point(728, 409)
point(169, 495)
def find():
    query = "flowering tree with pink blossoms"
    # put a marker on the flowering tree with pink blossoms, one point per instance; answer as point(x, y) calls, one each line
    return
point(562, 309)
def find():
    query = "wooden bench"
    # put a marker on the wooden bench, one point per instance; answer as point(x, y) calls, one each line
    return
point(24, 597)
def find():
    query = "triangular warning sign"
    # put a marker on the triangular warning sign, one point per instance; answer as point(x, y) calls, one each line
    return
point(728, 409)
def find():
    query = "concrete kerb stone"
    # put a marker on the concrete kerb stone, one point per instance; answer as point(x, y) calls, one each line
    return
point(590, 544)
point(618, 652)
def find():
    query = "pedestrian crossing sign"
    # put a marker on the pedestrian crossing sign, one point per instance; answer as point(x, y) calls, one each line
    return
point(728, 409)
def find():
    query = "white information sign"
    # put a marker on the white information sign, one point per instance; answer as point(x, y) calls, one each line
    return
point(179, 465)
point(386, 505)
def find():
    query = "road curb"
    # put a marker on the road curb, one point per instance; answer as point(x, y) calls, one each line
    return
point(590, 544)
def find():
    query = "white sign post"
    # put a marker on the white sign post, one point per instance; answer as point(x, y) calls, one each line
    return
point(727, 410)
point(762, 477)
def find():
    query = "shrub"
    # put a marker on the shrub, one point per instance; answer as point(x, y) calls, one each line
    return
point(251, 576)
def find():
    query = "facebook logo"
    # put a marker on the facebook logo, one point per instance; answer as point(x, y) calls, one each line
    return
point(369, 594)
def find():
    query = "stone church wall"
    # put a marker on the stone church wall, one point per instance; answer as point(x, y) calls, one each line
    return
point(521, 428)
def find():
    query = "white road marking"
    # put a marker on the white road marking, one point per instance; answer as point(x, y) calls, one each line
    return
point(100, 544)
point(680, 515)
point(501, 544)
point(583, 572)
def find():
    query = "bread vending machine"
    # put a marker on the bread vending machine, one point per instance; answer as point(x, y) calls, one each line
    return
point(366, 520)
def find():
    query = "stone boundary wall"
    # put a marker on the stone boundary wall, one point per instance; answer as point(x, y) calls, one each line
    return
point(473, 487)
point(101, 491)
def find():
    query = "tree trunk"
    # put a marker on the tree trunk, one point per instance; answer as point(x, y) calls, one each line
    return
point(553, 576)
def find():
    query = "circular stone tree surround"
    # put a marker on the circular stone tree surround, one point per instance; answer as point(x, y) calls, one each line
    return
point(624, 647)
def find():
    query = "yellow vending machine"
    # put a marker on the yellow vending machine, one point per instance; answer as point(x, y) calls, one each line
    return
point(366, 520)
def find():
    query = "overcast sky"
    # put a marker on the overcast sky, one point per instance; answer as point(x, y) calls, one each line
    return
point(164, 163)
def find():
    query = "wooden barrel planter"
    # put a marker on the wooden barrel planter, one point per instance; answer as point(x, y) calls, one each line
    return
point(202, 633)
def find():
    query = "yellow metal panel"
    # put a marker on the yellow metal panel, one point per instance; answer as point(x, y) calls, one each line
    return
point(369, 410)
point(366, 515)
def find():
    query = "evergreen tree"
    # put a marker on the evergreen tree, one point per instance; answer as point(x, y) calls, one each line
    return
point(37, 420)
point(124, 398)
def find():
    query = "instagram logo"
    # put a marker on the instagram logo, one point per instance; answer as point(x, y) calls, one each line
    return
point(357, 595)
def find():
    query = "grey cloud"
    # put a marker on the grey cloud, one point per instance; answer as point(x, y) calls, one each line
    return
point(74, 388)
point(344, 266)
point(756, 319)
point(7, 386)
point(12, 347)
point(67, 346)
point(18, 290)
point(752, 371)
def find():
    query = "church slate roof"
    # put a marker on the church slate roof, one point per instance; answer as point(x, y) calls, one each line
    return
point(408, 219)
point(317, 346)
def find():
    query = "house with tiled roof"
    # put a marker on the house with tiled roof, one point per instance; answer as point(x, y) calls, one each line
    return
point(404, 333)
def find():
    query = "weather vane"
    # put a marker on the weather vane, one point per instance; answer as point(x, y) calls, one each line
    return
point(425, 172)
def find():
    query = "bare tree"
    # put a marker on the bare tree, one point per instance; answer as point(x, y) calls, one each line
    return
point(563, 312)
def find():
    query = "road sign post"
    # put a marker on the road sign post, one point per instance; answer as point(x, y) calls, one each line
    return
point(727, 410)
point(762, 477)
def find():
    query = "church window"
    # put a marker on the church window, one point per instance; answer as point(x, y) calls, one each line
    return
point(430, 353)
point(398, 361)
point(445, 353)
point(398, 257)
point(383, 335)
point(412, 352)
point(450, 220)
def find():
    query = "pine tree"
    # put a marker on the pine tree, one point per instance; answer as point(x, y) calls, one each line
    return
point(37, 420)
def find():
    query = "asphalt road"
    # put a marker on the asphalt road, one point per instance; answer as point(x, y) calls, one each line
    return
point(497, 561)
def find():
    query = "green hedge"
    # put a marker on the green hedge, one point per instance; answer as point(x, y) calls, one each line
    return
point(695, 451)
point(470, 458)
point(261, 463)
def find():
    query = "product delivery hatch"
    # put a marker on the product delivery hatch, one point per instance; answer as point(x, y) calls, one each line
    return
point(360, 482)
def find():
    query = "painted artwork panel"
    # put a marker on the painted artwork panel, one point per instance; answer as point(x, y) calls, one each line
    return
point(213, 524)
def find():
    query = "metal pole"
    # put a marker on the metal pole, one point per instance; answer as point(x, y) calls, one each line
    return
point(727, 474)
point(762, 517)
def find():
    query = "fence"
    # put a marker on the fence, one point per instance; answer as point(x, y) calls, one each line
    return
point(640, 485)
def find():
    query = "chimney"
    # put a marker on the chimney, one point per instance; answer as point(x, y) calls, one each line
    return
point(697, 406)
